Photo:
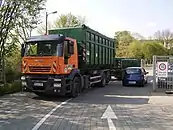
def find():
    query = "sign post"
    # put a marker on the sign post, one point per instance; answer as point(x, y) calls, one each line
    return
point(162, 69)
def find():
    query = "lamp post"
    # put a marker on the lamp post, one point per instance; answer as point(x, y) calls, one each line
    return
point(47, 18)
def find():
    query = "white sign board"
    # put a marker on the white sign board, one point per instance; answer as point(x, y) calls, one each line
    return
point(162, 69)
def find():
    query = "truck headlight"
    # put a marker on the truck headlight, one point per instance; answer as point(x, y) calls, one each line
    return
point(23, 78)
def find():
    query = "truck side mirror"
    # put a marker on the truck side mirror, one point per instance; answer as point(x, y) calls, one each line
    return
point(70, 48)
point(66, 50)
point(22, 50)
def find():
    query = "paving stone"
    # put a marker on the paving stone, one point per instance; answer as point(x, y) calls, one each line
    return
point(135, 108)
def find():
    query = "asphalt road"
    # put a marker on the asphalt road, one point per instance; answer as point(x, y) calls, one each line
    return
point(127, 108)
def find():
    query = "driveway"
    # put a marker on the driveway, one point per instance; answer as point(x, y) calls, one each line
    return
point(114, 107)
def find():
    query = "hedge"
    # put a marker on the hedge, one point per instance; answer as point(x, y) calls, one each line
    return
point(10, 88)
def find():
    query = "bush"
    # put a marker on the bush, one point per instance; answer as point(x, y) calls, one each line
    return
point(11, 88)
point(12, 75)
point(12, 66)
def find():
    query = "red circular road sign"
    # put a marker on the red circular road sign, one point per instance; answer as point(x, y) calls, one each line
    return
point(162, 66)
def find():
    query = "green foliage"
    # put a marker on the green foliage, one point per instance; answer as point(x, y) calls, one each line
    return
point(13, 66)
point(170, 51)
point(124, 39)
point(153, 48)
point(135, 50)
point(10, 88)
point(29, 18)
point(69, 20)
point(64, 20)
point(130, 47)
point(17, 19)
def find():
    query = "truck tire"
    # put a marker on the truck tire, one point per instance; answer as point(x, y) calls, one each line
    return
point(103, 81)
point(108, 79)
point(75, 87)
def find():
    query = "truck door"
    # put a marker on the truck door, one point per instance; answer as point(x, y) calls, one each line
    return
point(70, 55)
point(68, 50)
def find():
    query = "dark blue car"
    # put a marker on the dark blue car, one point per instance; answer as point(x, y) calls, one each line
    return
point(134, 76)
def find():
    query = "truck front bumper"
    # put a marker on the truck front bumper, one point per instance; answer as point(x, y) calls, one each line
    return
point(45, 84)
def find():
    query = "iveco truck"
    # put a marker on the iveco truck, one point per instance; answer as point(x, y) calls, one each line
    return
point(67, 61)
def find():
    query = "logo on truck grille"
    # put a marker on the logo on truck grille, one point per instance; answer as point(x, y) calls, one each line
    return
point(39, 60)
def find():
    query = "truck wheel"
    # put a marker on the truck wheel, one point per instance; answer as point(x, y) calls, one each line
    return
point(103, 81)
point(108, 79)
point(75, 87)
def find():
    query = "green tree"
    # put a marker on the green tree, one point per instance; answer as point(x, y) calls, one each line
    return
point(135, 50)
point(28, 19)
point(15, 15)
point(124, 39)
point(7, 22)
point(69, 20)
point(13, 65)
point(153, 48)
point(64, 20)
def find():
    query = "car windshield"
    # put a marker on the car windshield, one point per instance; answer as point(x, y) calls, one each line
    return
point(50, 48)
point(133, 71)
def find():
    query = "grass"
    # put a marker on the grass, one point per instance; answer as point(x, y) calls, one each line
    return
point(10, 88)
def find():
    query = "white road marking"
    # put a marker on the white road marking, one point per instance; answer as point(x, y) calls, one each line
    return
point(109, 115)
point(49, 114)
point(123, 96)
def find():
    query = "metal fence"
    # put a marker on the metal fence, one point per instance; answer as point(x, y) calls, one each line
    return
point(162, 73)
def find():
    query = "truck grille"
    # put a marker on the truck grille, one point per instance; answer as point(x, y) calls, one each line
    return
point(39, 68)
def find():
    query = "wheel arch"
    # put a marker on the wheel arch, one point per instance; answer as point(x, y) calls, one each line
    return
point(76, 73)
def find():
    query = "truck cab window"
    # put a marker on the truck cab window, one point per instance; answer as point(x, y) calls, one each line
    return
point(59, 50)
point(68, 48)
point(31, 50)
point(71, 47)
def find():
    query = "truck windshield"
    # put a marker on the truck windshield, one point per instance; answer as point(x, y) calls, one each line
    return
point(44, 49)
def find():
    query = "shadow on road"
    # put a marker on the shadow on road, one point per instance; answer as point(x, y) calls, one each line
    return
point(51, 98)
point(115, 93)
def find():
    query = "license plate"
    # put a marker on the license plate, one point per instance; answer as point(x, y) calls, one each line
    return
point(132, 82)
point(38, 84)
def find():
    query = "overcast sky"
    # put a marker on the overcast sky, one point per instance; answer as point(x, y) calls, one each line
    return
point(107, 16)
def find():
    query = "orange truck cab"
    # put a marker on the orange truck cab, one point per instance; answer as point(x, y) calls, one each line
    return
point(58, 64)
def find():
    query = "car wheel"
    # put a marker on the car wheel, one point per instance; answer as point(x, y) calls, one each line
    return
point(123, 83)
point(142, 83)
